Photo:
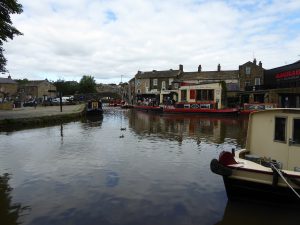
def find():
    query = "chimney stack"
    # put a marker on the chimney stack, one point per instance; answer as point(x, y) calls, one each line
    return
point(260, 64)
point(9, 77)
point(254, 61)
point(199, 68)
point(180, 68)
point(219, 67)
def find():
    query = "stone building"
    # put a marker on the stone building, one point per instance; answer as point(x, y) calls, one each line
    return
point(149, 84)
point(37, 89)
point(8, 88)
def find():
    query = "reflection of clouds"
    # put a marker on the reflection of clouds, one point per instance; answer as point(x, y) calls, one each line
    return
point(112, 179)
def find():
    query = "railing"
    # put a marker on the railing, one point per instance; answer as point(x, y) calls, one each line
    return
point(255, 88)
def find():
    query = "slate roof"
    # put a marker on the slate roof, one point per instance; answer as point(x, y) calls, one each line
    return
point(7, 81)
point(157, 74)
point(35, 82)
point(210, 75)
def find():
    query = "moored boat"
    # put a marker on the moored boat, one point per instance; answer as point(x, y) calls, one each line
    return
point(197, 108)
point(268, 169)
point(94, 107)
point(255, 107)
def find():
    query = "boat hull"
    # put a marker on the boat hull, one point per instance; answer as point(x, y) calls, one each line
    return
point(229, 112)
point(238, 189)
point(155, 109)
point(94, 112)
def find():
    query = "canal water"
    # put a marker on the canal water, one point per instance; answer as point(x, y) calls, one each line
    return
point(127, 167)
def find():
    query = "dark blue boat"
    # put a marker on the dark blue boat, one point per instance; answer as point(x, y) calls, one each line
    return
point(94, 107)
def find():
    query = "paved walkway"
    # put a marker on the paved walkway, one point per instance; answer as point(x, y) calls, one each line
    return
point(40, 111)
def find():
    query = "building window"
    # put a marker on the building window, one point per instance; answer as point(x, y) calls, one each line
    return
point(170, 81)
point(247, 83)
point(154, 82)
point(205, 95)
point(296, 131)
point(176, 85)
point(257, 81)
point(139, 91)
point(248, 70)
point(280, 129)
point(183, 95)
point(138, 82)
point(163, 85)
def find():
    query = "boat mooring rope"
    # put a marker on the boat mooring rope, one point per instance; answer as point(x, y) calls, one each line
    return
point(283, 178)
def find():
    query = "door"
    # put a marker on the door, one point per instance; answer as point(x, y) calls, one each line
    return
point(294, 143)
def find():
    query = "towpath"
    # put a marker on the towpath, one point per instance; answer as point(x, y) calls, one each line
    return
point(40, 111)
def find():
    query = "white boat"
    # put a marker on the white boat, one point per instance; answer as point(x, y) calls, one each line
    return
point(268, 169)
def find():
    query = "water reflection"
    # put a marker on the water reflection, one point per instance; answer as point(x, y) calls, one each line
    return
point(254, 213)
point(10, 213)
point(197, 127)
point(92, 121)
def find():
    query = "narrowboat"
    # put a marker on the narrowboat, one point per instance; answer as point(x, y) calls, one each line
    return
point(199, 108)
point(254, 107)
point(94, 107)
point(268, 169)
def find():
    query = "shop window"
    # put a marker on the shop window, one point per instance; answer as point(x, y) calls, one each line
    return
point(280, 129)
point(163, 85)
point(248, 70)
point(205, 95)
point(296, 131)
point(183, 95)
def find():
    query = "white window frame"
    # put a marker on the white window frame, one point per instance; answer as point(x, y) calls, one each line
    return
point(257, 79)
point(155, 82)
point(163, 85)
point(170, 81)
point(248, 70)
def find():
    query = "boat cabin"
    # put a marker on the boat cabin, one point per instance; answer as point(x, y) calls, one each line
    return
point(275, 135)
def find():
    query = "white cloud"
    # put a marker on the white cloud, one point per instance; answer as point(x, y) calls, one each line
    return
point(109, 38)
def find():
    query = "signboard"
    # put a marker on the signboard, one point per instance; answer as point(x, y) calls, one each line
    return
point(292, 74)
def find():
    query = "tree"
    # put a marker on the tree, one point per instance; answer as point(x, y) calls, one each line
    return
point(7, 30)
point(67, 87)
point(87, 84)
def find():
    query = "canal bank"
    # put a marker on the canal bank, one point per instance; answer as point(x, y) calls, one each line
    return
point(27, 117)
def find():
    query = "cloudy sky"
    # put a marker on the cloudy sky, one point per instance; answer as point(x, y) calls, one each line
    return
point(65, 39)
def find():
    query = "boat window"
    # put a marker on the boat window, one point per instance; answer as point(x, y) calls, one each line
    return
point(280, 129)
point(296, 131)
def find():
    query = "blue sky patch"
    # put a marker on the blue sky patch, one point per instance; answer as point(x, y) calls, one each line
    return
point(110, 16)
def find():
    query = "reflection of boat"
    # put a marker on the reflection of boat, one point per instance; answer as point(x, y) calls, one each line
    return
point(259, 214)
point(197, 110)
point(94, 107)
point(269, 168)
point(147, 108)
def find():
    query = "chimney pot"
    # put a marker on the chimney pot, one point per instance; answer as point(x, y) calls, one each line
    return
point(181, 68)
point(219, 67)
point(254, 61)
point(260, 64)
point(199, 68)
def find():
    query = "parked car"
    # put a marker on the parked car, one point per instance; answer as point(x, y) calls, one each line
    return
point(30, 103)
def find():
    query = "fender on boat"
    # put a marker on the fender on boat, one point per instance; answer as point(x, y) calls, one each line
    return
point(217, 168)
